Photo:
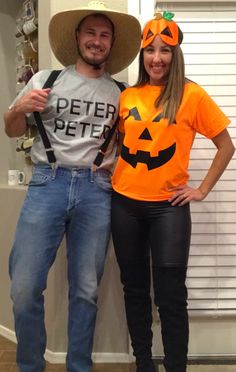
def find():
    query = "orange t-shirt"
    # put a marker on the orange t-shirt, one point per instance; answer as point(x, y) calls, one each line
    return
point(155, 155)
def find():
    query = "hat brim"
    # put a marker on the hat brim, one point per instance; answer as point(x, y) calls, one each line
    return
point(125, 47)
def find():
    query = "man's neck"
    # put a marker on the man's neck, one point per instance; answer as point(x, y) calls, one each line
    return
point(88, 70)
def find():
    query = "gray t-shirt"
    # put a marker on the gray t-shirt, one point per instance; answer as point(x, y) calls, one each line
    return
point(78, 113)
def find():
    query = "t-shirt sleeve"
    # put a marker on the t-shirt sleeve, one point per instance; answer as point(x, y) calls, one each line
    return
point(36, 82)
point(27, 88)
point(210, 119)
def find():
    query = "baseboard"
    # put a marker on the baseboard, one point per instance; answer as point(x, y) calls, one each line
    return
point(206, 360)
point(53, 357)
point(59, 357)
point(7, 333)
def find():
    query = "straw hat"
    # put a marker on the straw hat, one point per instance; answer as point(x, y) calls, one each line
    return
point(127, 35)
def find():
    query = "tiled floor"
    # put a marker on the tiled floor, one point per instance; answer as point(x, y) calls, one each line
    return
point(8, 354)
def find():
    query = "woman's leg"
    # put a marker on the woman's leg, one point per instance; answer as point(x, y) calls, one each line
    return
point(171, 300)
point(170, 240)
point(130, 241)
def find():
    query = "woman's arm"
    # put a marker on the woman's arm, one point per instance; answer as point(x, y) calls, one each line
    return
point(225, 151)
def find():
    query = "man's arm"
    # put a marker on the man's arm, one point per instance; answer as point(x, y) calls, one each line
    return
point(15, 118)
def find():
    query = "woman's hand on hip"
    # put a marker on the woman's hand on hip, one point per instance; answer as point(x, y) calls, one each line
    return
point(184, 194)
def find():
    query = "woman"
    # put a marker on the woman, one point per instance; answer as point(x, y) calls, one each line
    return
point(159, 118)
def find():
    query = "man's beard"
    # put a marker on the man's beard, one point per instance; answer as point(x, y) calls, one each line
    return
point(90, 62)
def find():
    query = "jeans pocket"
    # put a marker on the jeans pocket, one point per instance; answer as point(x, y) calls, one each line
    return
point(103, 180)
point(40, 177)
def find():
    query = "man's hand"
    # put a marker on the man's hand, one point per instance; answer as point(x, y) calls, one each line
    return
point(35, 100)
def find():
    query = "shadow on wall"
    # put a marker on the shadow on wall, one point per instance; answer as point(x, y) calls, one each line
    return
point(111, 334)
point(10, 57)
point(8, 11)
point(111, 329)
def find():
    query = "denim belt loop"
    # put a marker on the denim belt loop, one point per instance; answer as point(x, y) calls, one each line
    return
point(92, 173)
point(54, 170)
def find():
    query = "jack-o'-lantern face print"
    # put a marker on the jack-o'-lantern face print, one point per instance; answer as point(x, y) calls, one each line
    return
point(149, 143)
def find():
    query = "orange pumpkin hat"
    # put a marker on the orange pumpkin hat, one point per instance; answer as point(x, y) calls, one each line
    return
point(163, 26)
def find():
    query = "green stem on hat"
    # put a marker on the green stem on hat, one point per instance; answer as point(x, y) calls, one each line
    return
point(168, 15)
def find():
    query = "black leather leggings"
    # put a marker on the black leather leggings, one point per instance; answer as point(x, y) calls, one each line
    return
point(141, 230)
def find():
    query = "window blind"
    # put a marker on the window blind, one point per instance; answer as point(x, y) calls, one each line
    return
point(210, 57)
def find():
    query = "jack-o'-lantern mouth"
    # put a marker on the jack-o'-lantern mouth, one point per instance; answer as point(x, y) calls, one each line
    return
point(144, 157)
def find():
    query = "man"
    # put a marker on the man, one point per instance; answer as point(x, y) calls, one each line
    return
point(68, 198)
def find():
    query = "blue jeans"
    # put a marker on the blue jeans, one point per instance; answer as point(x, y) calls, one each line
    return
point(74, 203)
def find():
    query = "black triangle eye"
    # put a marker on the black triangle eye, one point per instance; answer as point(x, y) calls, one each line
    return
point(134, 112)
point(145, 135)
point(167, 32)
point(149, 34)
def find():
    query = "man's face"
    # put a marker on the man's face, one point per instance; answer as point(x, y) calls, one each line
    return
point(95, 37)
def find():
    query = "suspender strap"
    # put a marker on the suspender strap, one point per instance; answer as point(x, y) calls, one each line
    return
point(103, 148)
point(120, 85)
point(48, 148)
point(51, 79)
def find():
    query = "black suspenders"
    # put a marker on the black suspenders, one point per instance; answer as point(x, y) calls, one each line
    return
point(103, 148)
point(46, 142)
point(48, 148)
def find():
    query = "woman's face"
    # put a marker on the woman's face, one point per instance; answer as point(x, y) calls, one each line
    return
point(157, 58)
